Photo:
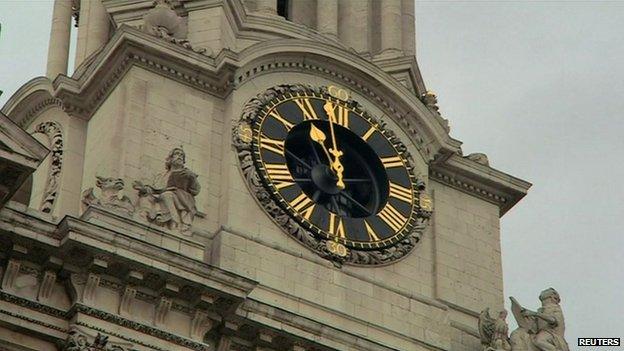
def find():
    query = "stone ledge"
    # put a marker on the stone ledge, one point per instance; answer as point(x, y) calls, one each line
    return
point(480, 180)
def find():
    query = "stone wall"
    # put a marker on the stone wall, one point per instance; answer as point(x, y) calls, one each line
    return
point(467, 250)
point(145, 117)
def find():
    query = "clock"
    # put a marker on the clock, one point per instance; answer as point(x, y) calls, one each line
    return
point(331, 174)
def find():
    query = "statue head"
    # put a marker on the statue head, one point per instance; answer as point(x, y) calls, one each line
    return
point(502, 314)
point(175, 159)
point(550, 294)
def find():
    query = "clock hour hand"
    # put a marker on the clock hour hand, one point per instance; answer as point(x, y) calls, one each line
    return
point(336, 165)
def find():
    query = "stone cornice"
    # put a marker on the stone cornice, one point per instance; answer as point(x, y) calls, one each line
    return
point(71, 233)
point(480, 180)
point(77, 232)
point(82, 94)
point(274, 316)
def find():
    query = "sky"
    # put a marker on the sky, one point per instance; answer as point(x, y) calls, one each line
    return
point(538, 87)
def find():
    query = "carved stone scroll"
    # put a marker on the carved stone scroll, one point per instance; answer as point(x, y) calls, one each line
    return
point(200, 325)
point(163, 308)
point(127, 299)
point(47, 284)
point(54, 133)
point(10, 274)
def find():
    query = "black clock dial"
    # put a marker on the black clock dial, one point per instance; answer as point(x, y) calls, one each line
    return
point(366, 181)
point(335, 170)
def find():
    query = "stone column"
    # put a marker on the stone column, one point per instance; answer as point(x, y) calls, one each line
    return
point(391, 41)
point(327, 17)
point(354, 24)
point(58, 49)
point(303, 12)
point(408, 35)
point(92, 29)
point(268, 7)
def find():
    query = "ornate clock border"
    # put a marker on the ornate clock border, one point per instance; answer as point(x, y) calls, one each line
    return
point(242, 137)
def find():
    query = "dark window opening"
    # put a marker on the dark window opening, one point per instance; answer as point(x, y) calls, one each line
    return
point(282, 8)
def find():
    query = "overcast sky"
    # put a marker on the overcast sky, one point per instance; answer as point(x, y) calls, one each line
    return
point(539, 88)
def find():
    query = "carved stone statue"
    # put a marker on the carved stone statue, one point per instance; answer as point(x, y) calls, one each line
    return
point(494, 332)
point(110, 197)
point(170, 201)
point(542, 329)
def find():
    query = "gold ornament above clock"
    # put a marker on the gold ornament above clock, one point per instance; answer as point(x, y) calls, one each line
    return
point(331, 175)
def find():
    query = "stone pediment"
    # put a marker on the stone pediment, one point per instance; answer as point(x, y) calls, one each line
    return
point(20, 155)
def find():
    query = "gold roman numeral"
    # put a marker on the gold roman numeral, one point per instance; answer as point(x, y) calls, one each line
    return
point(336, 226)
point(276, 146)
point(392, 161)
point(306, 108)
point(399, 192)
point(392, 217)
point(275, 114)
point(304, 205)
point(340, 117)
point(368, 133)
point(279, 175)
point(371, 233)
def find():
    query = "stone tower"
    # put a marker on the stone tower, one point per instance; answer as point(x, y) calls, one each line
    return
point(161, 220)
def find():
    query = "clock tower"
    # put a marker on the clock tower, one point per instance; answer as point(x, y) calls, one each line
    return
point(245, 175)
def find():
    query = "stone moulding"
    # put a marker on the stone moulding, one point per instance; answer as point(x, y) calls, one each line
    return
point(52, 130)
point(242, 144)
point(482, 181)
point(298, 65)
point(33, 321)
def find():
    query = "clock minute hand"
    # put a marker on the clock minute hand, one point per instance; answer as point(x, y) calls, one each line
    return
point(336, 165)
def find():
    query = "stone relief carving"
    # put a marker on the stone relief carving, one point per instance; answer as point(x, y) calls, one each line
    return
point(78, 341)
point(55, 135)
point(170, 201)
point(163, 22)
point(241, 140)
point(541, 330)
point(110, 197)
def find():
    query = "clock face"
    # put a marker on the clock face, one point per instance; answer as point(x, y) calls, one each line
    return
point(335, 170)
